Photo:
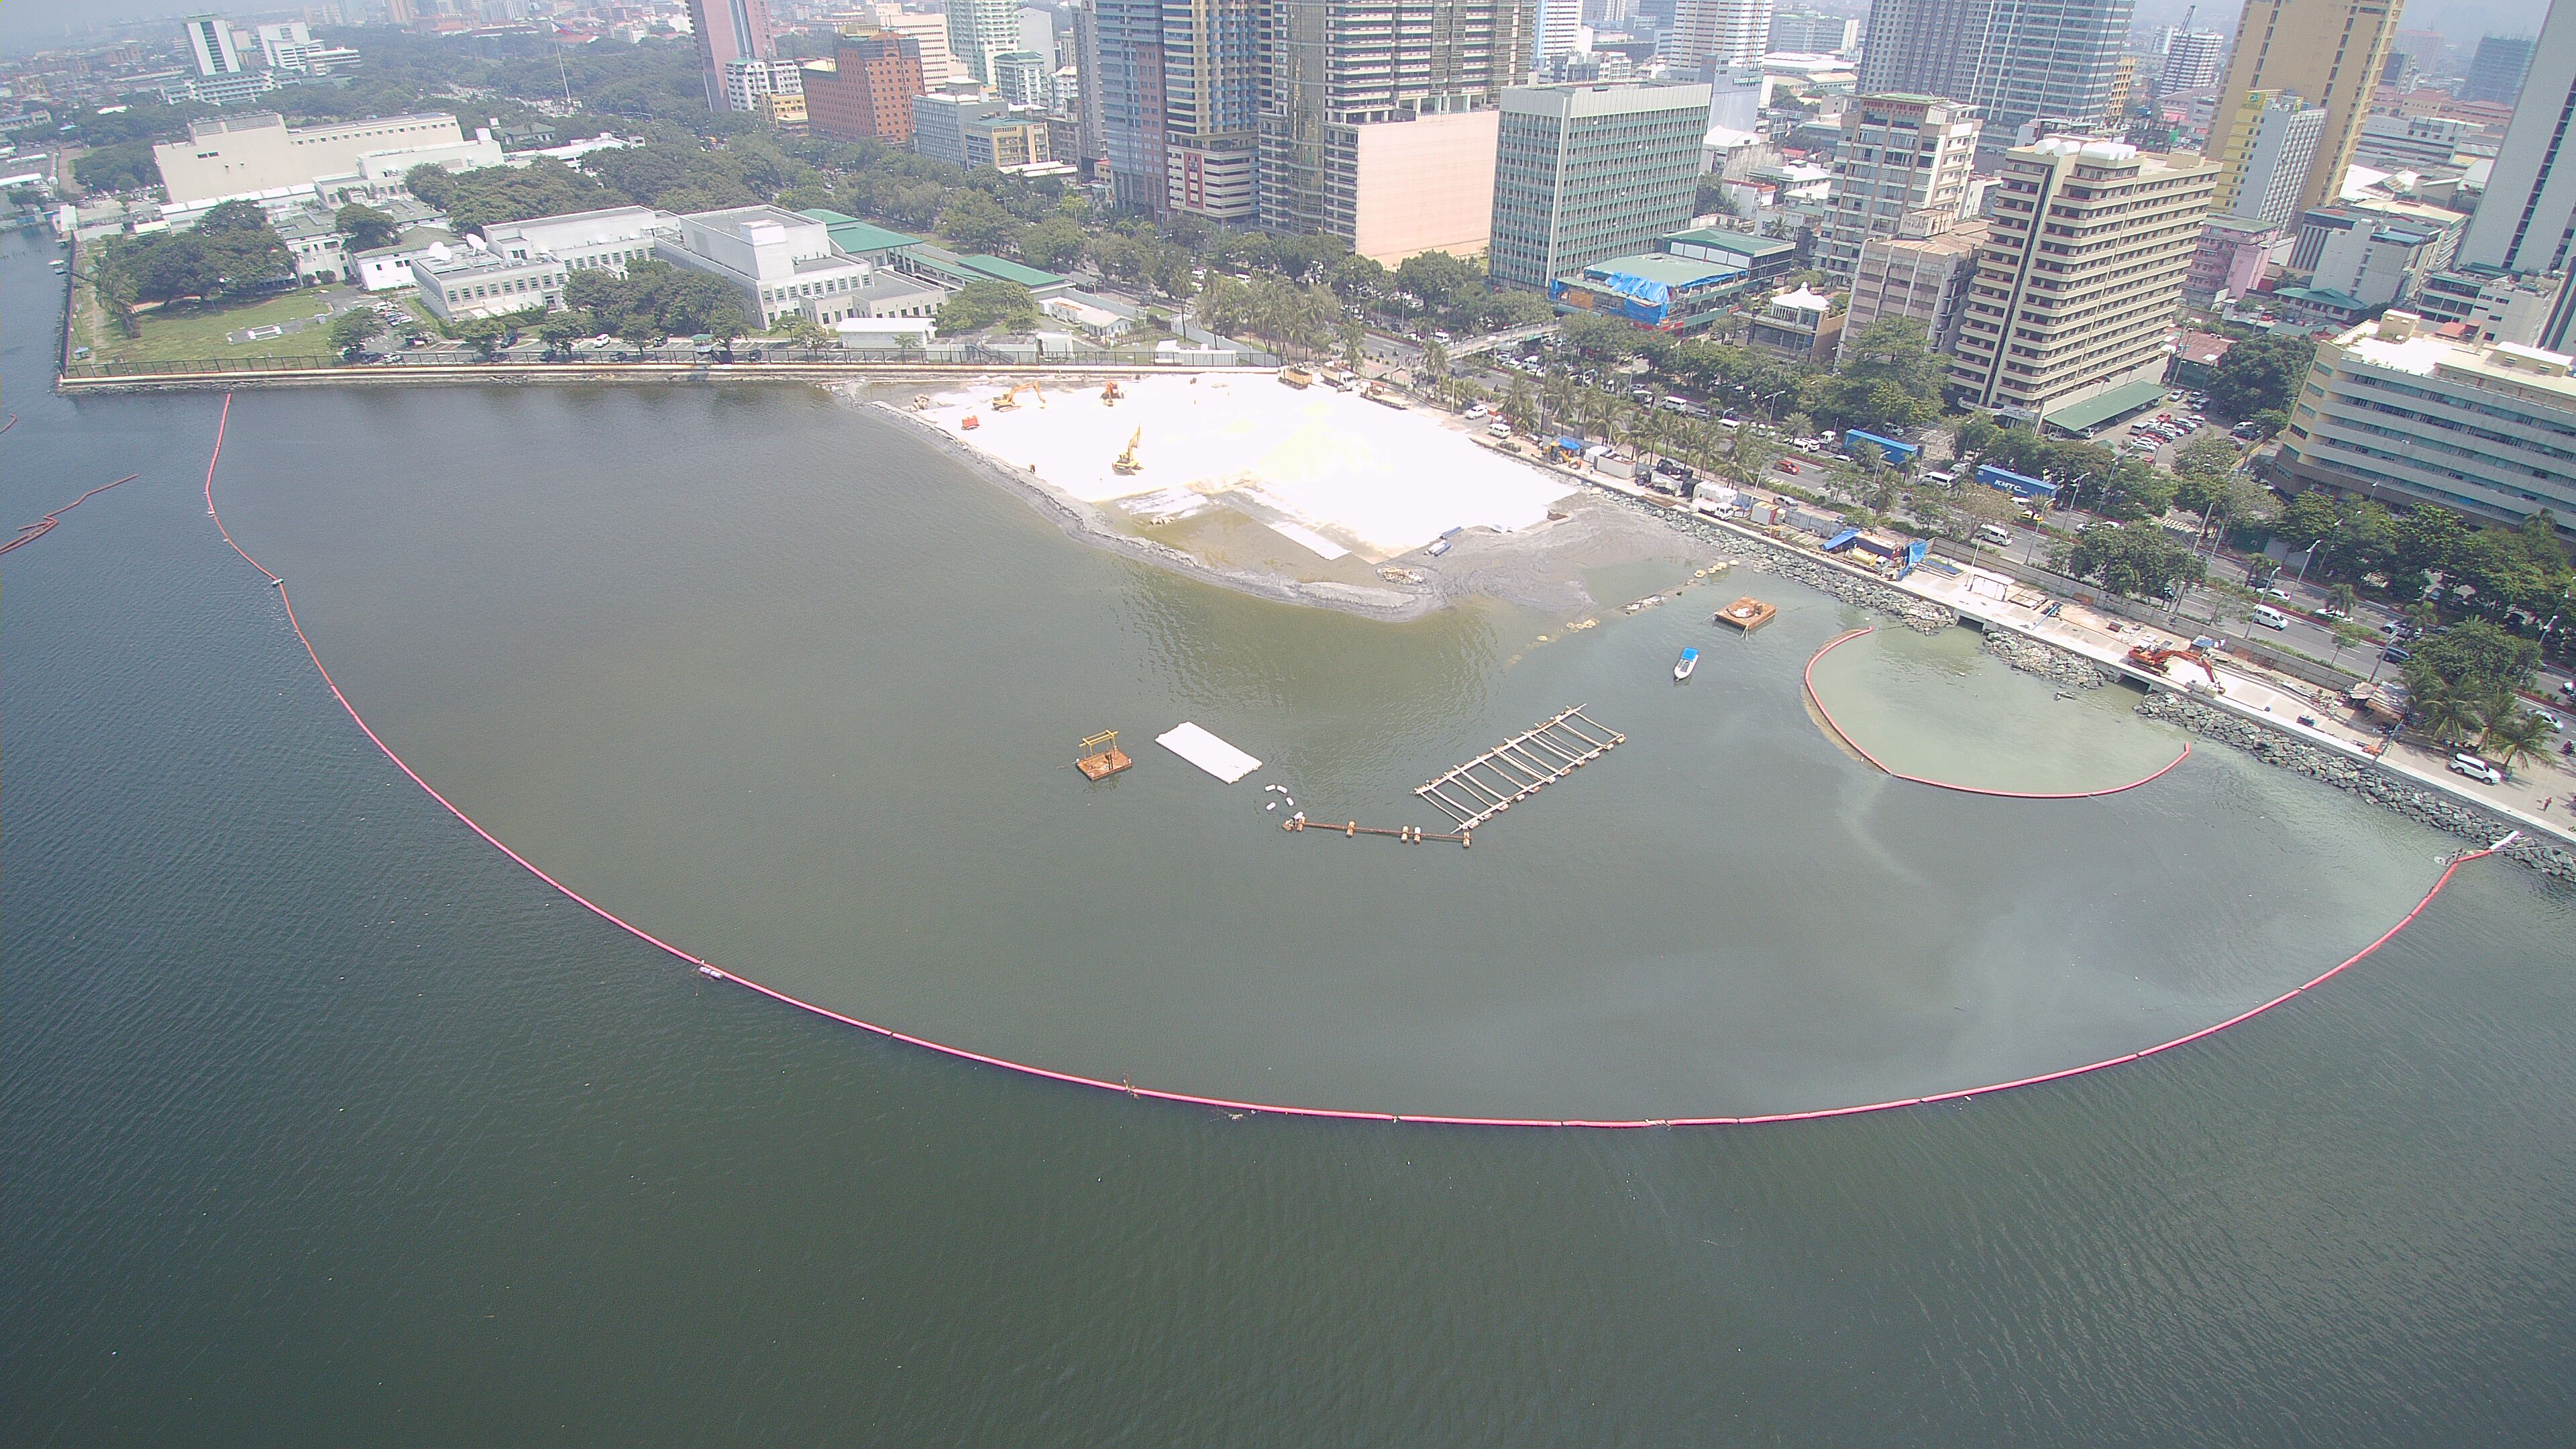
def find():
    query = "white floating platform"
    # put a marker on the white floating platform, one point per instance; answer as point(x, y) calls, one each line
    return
point(1207, 752)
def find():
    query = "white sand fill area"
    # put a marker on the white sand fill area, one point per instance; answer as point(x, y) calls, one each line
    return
point(1329, 470)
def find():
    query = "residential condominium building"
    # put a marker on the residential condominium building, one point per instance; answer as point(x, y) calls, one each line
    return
point(1211, 59)
point(727, 31)
point(2078, 283)
point(2526, 222)
point(865, 91)
point(2394, 411)
point(2493, 305)
point(1395, 189)
point(1007, 143)
point(979, 30)
point(1903, 165)
point(1129, 85)
point(2192, 59)
point(925, 29)
point(2326, 52)
point(2016, 61)
point(1024, 78)
point(939, 123)
point(2497, 72)
point(2376, 252)
point(2265, 147)
point(1587, 172)
point(1331, 65)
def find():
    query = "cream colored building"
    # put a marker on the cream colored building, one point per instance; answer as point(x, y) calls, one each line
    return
point(1396, 189)
point(1922, 277)
point(2326, 52)
point(257, 154)
point(2077, 284)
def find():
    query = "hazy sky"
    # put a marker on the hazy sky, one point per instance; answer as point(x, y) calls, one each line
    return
point(32, 24)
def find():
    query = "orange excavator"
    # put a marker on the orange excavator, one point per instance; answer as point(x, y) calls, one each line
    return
point(1109, 392)
point(2161, 661)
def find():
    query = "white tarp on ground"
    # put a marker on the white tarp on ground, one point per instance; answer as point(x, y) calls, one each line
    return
point(1374, 479)
point(1207, 752)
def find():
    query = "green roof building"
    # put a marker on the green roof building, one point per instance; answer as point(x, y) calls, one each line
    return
point(866, 241)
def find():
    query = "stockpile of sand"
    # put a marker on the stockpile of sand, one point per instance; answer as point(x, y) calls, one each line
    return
point(1367, 477)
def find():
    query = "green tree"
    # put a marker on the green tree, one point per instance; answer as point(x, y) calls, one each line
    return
point(1054, 244)
point(2449, 715)
point(1439, 279)
point(125, 167)
point(2474, 660)
point(2260, 373)
point(351, 330)
point(976, 223)
point(365, 227)
point(2513, 733)
point(2139, 562)
point(979, 305)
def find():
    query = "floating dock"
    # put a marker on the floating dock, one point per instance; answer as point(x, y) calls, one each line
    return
point(1352, 829)
point(1520, 767)
point(1207, 752)
point(1747, 613)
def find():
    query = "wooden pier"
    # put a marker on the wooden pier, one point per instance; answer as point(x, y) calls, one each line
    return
point(1352, 829)
point(1520, 767)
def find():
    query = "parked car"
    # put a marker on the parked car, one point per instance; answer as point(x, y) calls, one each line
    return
point(2477, 769)
point(2396, 654)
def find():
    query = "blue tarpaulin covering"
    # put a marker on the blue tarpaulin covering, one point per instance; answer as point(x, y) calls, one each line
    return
point(1889, 448)
point(1841, 541)
point(1914, 553)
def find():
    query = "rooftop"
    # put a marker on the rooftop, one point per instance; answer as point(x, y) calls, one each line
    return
point(1675, 272)
point(2093, 412)
point(1742, 243)
point(853, 235)
point(2396, 343)
point(2205, 348)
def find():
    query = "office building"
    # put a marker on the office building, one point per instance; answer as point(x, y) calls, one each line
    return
point(1925, 278)
point(286, 46)
point(2326, 52)
point(2405, 142)
point(457, 283)
point(939, 123)
point(2265, 147)
point(865, 91)
point(727, 31)
point(1395, 189)
point(2527, 219)
point(2017, 61)
point(258, 154)
point(1587, 172)
point(1129, 85)
point(210, 44)
point(607, 240)
point(2376, 254)
point(1037, 35)
point(747, 83)
point(2192, 59)
point(1806, 32)
point(1329, 67)
point(1211, 84)
point(2395, 412)
point(2493, 305)
point(2497, 72)
point(928, 31)
point(1902, 169)
point(781, 263)
point(1717, 33)
point(2080, 278)
point(979, 30)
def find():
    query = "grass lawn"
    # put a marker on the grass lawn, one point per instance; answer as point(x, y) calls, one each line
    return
point(190, 332)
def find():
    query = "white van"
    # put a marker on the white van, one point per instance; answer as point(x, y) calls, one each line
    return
point(1993, 533)
point(2270, 618)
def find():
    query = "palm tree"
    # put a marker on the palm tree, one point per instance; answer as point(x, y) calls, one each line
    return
point(2512, 734)
point(2449, 716)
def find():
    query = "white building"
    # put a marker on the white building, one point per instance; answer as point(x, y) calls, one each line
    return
point(210, 44)
point(459, 283)
point(248, 156)
point(2528, 215)
point(1806, 32)
point(604, 240)
point(2193, 59)
point(782, 263)
point(1902, 170)
point(1724, 32)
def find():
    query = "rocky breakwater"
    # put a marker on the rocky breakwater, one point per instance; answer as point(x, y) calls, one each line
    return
point(2058, 666)
point(2411, 798)
point(1801, 566)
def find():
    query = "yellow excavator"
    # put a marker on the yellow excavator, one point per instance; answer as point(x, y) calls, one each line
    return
point(1109, 393)
point(1126, 462)
point(1011, 399)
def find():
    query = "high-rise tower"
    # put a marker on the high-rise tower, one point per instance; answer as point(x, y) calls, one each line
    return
point(728, 30)
point(2015, 60)
point(2326, 52)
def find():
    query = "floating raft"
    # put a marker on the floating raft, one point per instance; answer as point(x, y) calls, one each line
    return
point(1207, 752)
point(1520, 767)
point(1352, 829)
point(1747, 613)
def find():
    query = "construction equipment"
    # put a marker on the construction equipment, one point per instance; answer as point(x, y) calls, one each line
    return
point(972, 423)
point(1010, 400)
point(2160, 661)
point(1101, 757)
point(1297, 377)
point(1126, 462)
point(1109, 393)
